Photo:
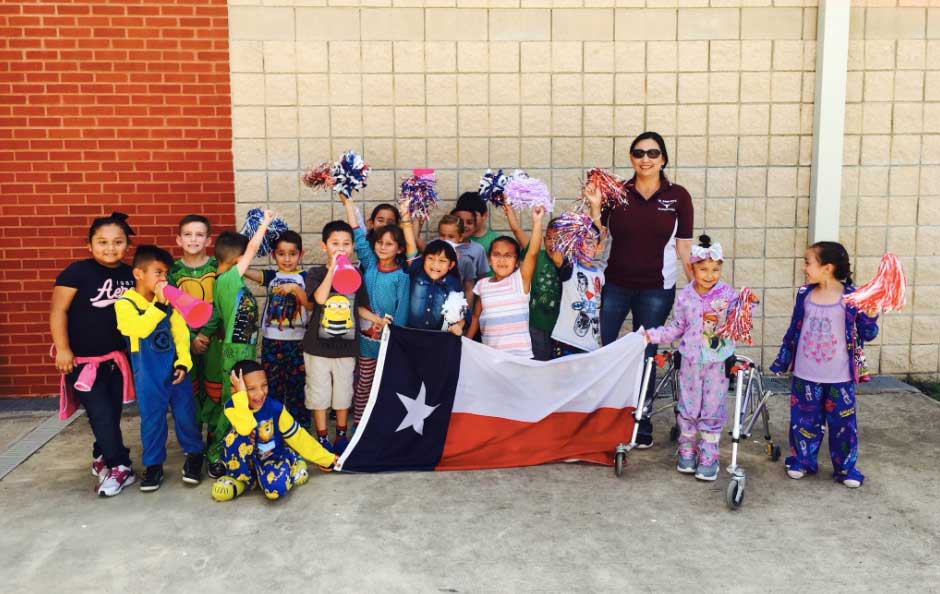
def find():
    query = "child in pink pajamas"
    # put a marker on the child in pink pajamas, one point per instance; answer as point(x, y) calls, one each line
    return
point(699, 310)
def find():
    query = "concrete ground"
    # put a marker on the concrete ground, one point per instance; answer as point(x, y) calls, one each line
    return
point(555, 528)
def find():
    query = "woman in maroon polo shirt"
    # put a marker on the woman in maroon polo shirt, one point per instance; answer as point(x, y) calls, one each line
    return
point(651, 239)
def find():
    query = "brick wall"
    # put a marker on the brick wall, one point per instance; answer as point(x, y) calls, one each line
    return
point(104, 105)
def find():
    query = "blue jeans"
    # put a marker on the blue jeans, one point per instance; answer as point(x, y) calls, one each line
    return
point(650, 308)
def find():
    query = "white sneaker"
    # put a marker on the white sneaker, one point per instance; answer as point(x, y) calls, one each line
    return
point(118, 478)
point(795, 474)
point(852, 483)
point(99, 468)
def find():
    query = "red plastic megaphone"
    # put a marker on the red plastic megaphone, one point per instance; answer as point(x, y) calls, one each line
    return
point(346, 278)
point(195, 311)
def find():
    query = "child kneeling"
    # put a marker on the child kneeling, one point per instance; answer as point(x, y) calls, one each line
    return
point(266, 446)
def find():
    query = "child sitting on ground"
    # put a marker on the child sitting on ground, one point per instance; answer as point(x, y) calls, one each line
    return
point(701, 307)
point(502, 310)
point(159, 345)
point(819, 347)
point(265, 446)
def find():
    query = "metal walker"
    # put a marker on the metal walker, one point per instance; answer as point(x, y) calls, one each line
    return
point(750, 402)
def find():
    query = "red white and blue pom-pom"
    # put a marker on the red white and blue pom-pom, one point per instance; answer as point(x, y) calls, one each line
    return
point(275, 229)
point(572, 229)
point(349, 174)
point(420, 193)
point(610, 186)
point(319, 177)
point(738, 321)
point(492, 186)
point(524, 192)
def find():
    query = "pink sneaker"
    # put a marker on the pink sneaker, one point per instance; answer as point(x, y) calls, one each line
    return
point(118, 478)
point(98, 467)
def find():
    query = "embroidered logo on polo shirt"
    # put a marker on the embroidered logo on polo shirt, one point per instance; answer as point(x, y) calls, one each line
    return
point(667, 205)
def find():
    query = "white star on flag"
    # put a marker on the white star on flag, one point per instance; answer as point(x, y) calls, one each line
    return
point(416, 411)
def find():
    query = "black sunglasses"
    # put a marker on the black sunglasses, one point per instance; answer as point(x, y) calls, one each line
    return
point(651, 153)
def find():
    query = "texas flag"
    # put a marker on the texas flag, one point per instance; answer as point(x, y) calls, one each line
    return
point(439, 402)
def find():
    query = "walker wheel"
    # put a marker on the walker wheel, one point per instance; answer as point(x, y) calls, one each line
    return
point(618, 463)
point(774, 452)
point(734, 495)
point(674, 433)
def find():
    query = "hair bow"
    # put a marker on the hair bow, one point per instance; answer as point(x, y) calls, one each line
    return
point(700, 253)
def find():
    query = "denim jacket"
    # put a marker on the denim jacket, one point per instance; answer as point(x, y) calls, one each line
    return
point(859, 329)
point(428, 296)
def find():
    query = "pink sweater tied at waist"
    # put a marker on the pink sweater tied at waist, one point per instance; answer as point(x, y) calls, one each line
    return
point(68, 403)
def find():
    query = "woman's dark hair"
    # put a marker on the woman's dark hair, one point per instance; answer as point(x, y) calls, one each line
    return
point(115, 218)
point(704, 241)
point(655, 137)
point(398, 236)
point(439, 246)
point(506, 239)
point(831, 252)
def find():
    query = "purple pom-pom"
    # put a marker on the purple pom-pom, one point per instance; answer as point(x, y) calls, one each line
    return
point(524, 192)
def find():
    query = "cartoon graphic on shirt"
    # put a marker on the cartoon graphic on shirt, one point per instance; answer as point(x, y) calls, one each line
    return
point(199, 287)
point(712, 318)
point(265, 443)
point(245, 328)
point(819, 341)
point(337, 318)
point(588, 307)
point(282, 309)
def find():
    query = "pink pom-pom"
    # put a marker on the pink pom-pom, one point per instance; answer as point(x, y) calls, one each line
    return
point(319, 177)
point(524, 192)
point(610, 186)
point(738, 323)
point(886, 291)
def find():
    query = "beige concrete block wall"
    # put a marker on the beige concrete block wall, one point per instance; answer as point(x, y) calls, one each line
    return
point(558, 86)
point(891, 184)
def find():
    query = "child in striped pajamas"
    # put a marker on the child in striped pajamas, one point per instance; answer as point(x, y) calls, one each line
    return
point(502, 310)
point(382, 261)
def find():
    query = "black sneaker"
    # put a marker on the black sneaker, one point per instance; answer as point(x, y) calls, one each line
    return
point(153, 476)
point(192, 469)
point(644, 442)
point(216, 470)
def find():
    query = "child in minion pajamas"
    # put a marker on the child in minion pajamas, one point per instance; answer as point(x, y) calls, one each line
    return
point(266, 446)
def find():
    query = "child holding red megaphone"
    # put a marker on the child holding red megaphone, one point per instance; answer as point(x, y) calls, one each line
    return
point(195, 312)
